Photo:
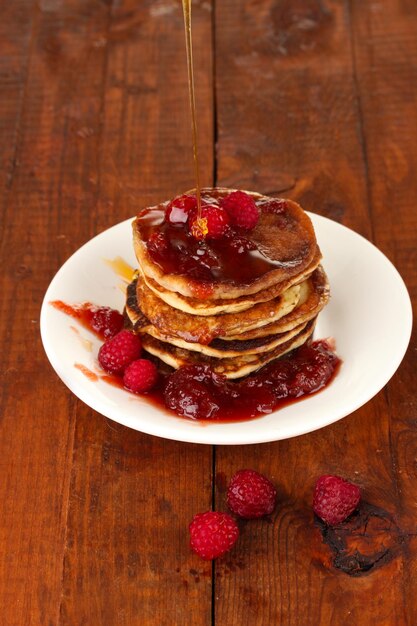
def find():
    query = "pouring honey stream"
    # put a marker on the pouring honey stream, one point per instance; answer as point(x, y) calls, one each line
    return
point(199, 228)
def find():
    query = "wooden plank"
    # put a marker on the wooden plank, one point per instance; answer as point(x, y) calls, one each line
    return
point(148, 489)
point(289, 121)
point(385, 44)
point(132, 496)
point(15, 34)
point(37, 413)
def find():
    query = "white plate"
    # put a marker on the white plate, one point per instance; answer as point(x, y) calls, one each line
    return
point(369, 315)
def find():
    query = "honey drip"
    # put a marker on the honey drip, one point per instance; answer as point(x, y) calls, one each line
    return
point(200, 222)
point(121, 268)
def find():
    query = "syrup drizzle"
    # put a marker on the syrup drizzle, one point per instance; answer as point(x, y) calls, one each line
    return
point(121, 268)
point(200, 222)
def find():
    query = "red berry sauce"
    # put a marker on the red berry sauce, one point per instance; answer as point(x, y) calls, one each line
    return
point(234, 257)
point(103, 321)
point(196, 392)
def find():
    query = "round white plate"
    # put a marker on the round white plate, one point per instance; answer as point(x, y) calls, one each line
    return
point(369, 315)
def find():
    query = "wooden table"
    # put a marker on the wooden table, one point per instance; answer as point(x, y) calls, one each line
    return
point(314, 100)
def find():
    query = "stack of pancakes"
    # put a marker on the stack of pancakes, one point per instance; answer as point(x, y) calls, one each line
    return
point(234, 325)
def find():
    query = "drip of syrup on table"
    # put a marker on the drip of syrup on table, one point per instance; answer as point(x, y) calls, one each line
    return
point(200, 224)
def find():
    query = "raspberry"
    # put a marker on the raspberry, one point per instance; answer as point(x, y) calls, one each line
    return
point(242, 209)
point(178, 210)
point(335, 499)
point(140, 376)
point(217, 220)
point(213, 534)
point(119, 351)
point(251, 494)
point(106, 322)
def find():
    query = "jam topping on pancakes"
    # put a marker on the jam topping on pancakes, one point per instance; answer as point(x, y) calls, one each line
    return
point(283, 238)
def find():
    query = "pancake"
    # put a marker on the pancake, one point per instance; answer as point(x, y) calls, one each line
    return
point(196, 306)
point(231, 368)
point(218, 348)
point(225, 349)
point(314, 295)
point(285, 247)
point(203, 329)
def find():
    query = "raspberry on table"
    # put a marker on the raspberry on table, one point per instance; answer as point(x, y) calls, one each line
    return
point(106, 322)
point(335, 499)
point(119, 351)
point(212, 534)
point(242, 209)
point(178, 210)
point(251, 494)
point(217, 220)
point(140, 376)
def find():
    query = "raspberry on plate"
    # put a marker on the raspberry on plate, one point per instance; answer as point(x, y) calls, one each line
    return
point(217, 221)
point(178, 210)
point(119, 351)
point(212, 534)
point(335, 499)
point(251, 494)
point(140, 376)
point(106, 322)
point(242, 209)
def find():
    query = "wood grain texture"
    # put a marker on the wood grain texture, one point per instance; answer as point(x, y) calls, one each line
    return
point(290, 118)
point(127, 559)
point(386, 61)
point(94, 528)
point(315, 100)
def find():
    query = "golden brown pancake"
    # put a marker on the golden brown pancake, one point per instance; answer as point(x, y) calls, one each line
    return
point(234, 367)
point(218, 348)
point(286, 247)
point(203, 329)
point(314, 296)
point(196, 306)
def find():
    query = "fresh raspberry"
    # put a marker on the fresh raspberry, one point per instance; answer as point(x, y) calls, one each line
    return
point(140, 376)
point(178, 210)
point(335, 499)
point(251, 494)
point(217, 220)
point(119, 351)
point(242, 209)
point(106, 322)
point(213, 534)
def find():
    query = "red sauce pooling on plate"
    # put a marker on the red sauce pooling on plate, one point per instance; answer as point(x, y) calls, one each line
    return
point(87, 372)
point(102, 321)
point(196, 392)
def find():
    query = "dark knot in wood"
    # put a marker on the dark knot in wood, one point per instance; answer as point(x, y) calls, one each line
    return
point(367, 540)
